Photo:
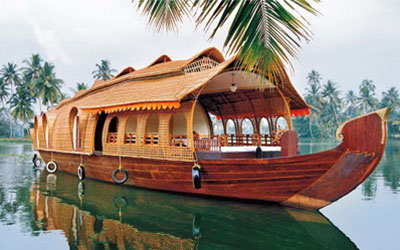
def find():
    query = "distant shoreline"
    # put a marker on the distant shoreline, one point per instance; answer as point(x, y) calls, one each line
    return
point(15, 140)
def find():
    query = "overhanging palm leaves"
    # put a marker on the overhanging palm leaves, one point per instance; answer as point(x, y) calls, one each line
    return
point(264, 33)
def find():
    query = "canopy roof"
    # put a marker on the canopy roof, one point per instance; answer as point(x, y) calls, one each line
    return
point(164, 84)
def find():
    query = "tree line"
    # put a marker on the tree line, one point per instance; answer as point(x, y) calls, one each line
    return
point(330, 106)
point(35, 82)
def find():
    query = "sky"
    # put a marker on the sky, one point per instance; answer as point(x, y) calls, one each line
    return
point(352, 39)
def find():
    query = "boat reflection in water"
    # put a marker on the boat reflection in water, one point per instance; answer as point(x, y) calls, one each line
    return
point(96, 215)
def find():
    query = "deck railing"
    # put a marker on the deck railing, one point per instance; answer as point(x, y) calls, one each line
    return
point(151, 139)
point(208, 144)
point(112, 137)
point(216, 142)
point(130, 138)
point(178, 140)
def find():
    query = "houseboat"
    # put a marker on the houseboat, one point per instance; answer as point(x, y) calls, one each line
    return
point(204, 126)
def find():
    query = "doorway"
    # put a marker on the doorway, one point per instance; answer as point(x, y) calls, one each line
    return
point(98, 136)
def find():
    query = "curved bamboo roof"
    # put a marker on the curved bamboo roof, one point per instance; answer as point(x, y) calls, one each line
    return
point(163, 85)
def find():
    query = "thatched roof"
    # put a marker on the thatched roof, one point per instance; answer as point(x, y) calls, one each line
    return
point(162, 85)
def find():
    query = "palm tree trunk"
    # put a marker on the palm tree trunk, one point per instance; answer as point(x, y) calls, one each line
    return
point(11, 125)
point(23, 129)
point(336, 115)
point(310, 126)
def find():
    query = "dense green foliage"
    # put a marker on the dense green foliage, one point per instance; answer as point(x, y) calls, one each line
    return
point(330, 106)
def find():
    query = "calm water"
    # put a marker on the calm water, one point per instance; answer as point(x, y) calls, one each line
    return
point(46, 211)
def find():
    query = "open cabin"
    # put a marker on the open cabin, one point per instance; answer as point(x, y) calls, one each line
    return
point(205, 107)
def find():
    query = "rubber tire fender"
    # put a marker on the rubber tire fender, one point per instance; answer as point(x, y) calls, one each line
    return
point(81, 172)
point(36, 161)
point(48, 167)
point(123, 180)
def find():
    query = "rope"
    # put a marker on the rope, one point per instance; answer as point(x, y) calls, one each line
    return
point(81, 160)
point(120, 165)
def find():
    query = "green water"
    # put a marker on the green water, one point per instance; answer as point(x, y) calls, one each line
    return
point(56, 211)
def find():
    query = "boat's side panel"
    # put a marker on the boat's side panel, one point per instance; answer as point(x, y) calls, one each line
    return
point(269, 180)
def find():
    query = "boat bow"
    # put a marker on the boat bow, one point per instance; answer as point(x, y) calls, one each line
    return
point(363, 144)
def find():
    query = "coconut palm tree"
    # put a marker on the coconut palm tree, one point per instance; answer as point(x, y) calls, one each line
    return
point(80, 86)
point(21, 104)
point(391, 99)
point(264, 33)
point(103, 70)
point(351, 101)
point(31, 70)
point(3, 91)
point(367, 99)
point(314, 78)
point(11, 75)
point(314, 98)
point(331, 92)
point(48, 86)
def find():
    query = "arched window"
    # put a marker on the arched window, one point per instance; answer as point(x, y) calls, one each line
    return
point(230, 127)
point(75, 129)
point(178, 130)
point(112, 130)
point(265, 131)
point(264, 126)
point(151, 134)
point(231, 131)
point(281, 124)
point(130, 133)
point(216, 122)
point(247, 127)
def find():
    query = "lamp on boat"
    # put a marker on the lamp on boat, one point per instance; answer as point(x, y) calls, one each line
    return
point(233, 85)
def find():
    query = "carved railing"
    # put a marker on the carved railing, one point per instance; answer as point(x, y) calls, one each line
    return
point(200, 65)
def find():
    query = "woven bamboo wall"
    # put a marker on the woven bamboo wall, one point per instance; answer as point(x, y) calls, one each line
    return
point(88, 133)
point(32, 133)
point(41, 129)
point(61, 135)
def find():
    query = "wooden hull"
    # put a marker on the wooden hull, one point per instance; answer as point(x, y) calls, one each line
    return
point(304, 181)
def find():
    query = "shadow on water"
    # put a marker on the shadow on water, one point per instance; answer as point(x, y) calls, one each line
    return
point(98, 215)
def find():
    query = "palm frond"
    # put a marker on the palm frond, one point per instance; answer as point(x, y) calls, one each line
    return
point(165, 14)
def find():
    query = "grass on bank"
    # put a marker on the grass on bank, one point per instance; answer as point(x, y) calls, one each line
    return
point(15, 140)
